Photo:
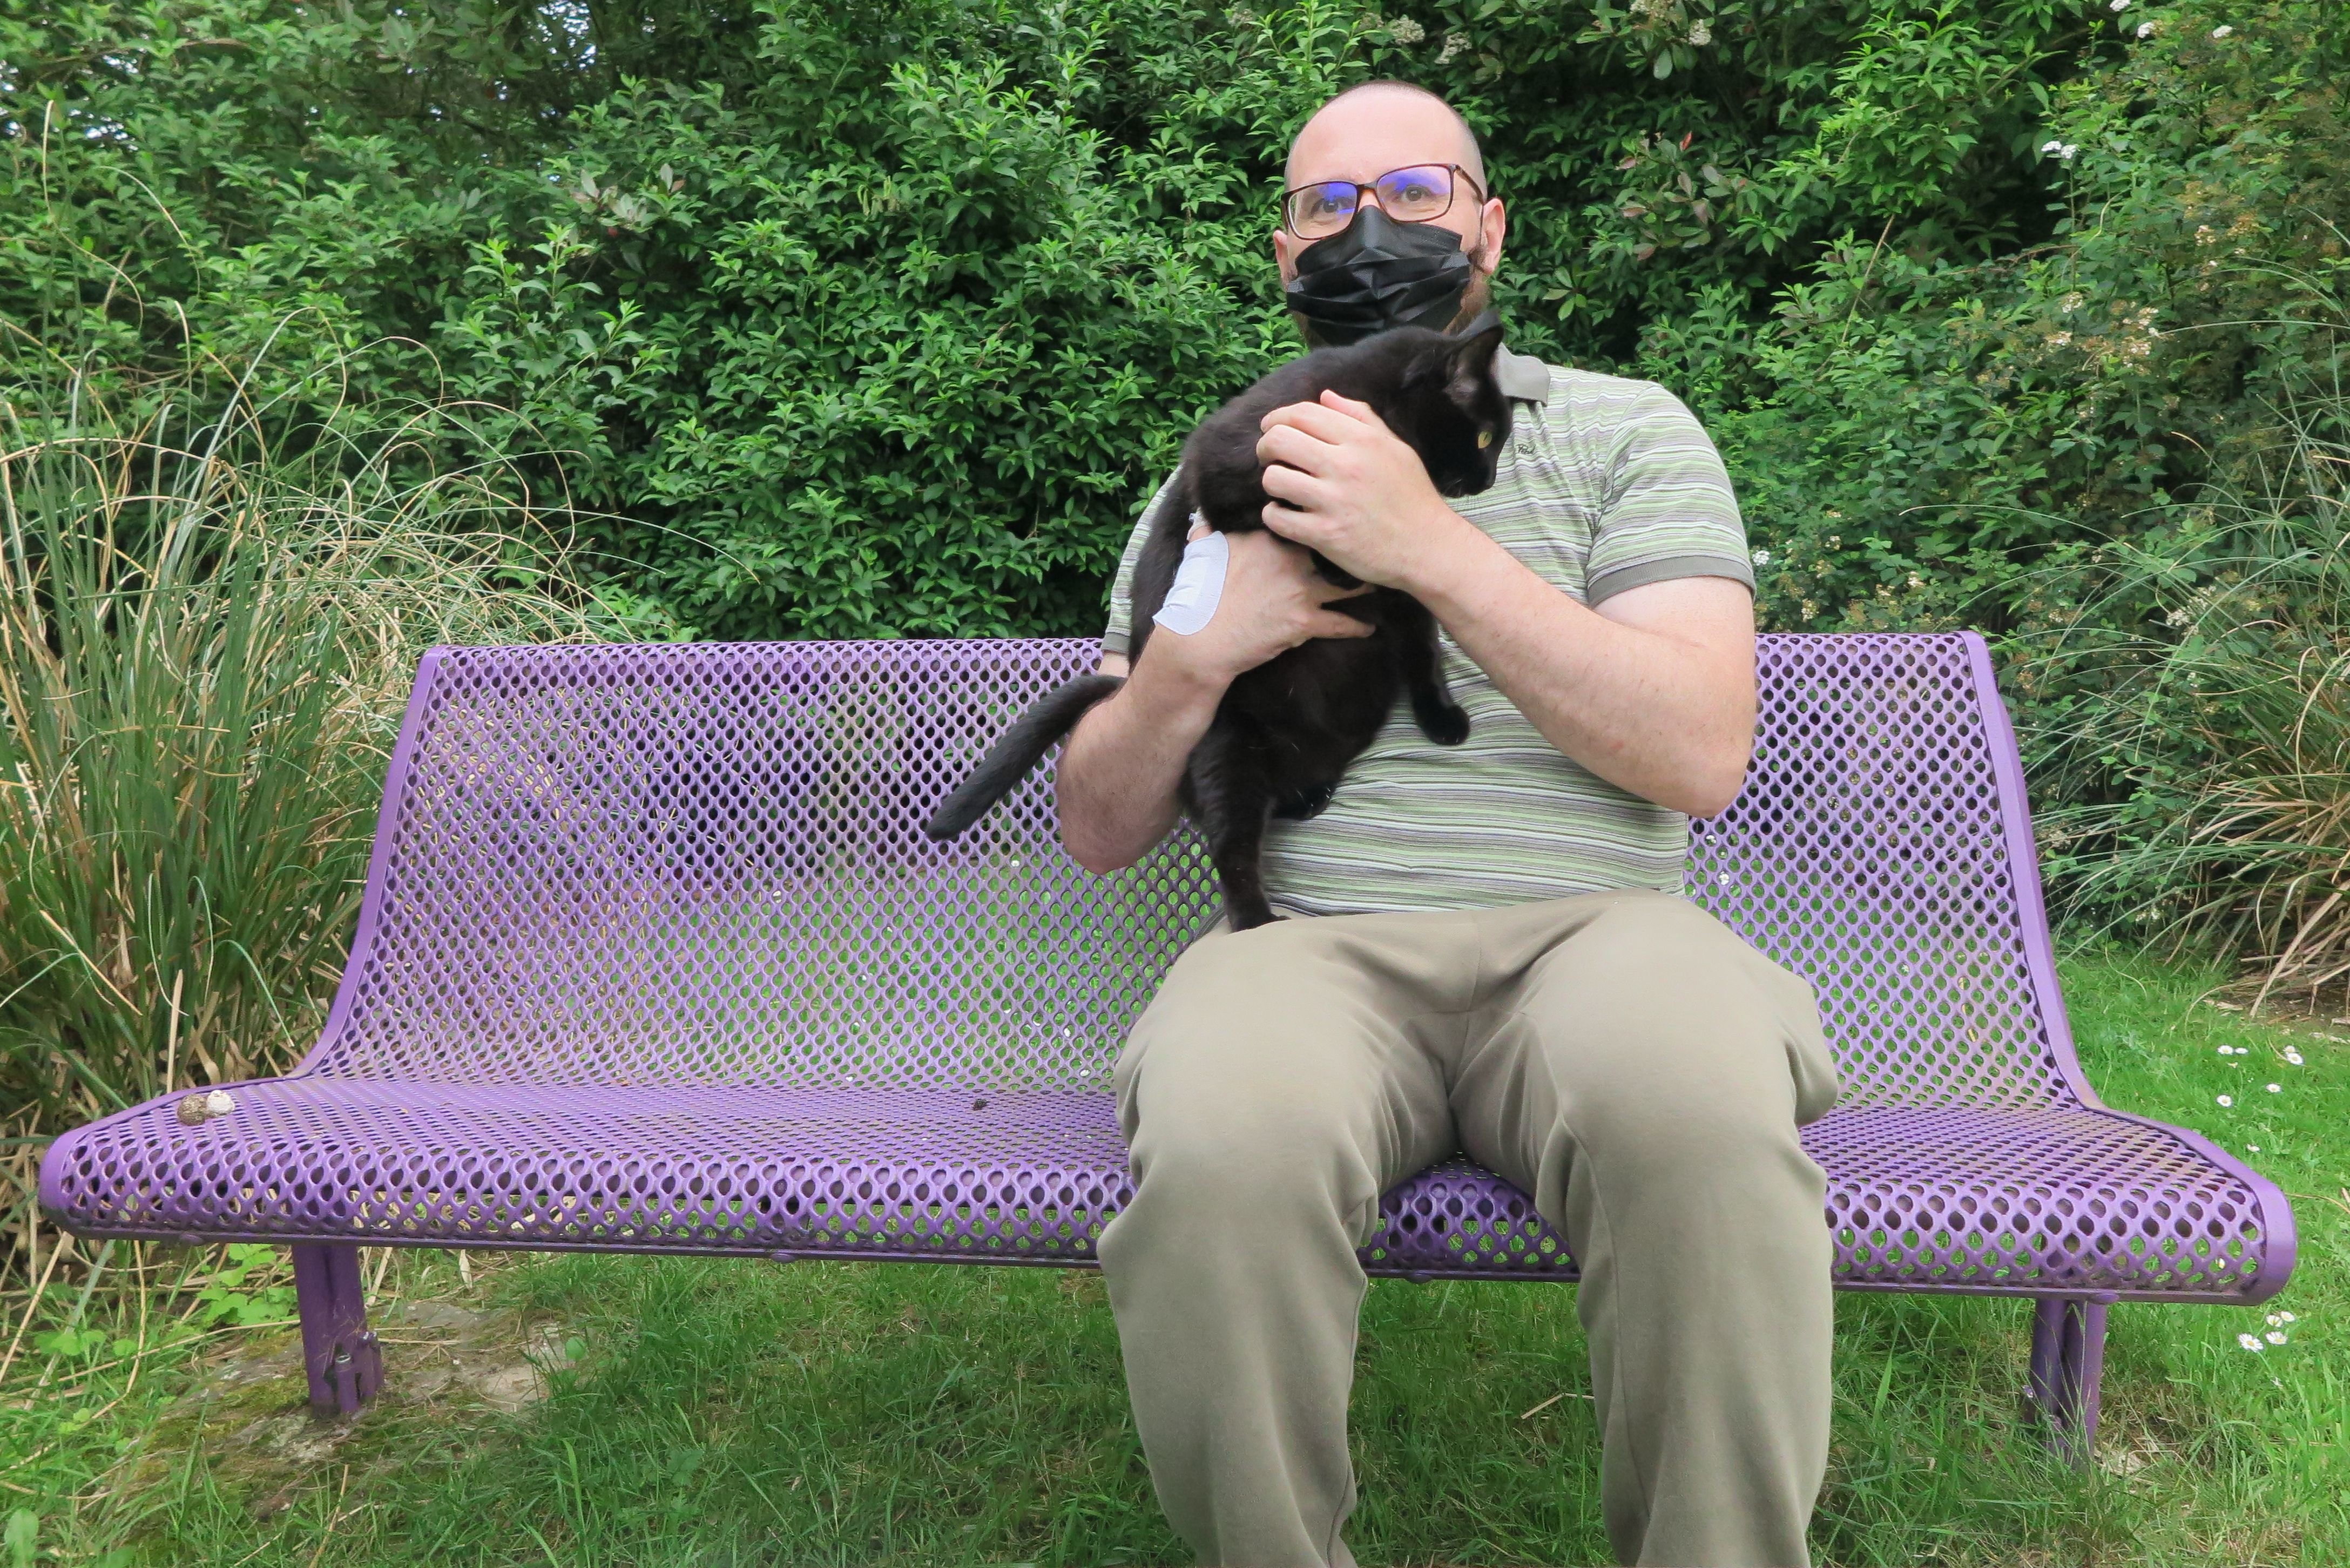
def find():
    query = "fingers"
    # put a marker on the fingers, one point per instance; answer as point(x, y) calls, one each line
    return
point(1297, 448)
point(1274, 580)
point(1330, 623)
point(1326, 425)
point(1362, 413)
point(1280, 519)
point(1285, 484)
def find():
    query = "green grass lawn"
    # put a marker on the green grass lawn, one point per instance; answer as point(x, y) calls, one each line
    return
point(722, 1412)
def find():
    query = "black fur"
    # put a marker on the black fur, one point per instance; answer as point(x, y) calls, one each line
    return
point(1287, 729)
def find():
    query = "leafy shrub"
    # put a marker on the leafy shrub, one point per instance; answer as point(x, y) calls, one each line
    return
point(877, 319)
point(1927, 443)
point(863, 318)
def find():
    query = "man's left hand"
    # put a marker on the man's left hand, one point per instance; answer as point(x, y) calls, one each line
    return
point(1356, 492)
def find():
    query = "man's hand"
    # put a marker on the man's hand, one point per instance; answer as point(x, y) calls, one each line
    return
point(1356, 493)
point(1115, 785)
point(1273, 600)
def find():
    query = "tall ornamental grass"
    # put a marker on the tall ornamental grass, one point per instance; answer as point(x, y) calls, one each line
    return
point(206, 643)
point(2224, 712)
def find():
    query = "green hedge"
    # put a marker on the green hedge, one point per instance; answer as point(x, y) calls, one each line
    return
point(879, 317)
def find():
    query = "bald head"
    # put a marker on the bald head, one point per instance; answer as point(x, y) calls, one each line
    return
point(1375, 130)
point(1373, 127)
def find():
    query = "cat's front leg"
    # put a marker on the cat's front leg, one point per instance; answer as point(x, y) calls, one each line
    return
point(1305, 804)
point(1420, 663)
point(1230, 797)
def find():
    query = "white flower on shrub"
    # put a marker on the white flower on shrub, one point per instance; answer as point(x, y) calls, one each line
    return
point(2146, 29)
point(1454, 47)
point(2120, 5)
point(2222, 30)
point(1761, 557)
point(1701, 34)
point(1404, 30)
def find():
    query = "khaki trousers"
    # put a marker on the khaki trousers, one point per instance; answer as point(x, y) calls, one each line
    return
point(1624, 1058)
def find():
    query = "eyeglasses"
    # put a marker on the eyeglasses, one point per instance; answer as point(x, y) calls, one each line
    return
point(1412, 195)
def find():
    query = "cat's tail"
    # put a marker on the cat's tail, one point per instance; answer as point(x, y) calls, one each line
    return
point(1017, 750)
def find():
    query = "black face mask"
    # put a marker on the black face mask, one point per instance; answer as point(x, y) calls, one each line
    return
point(1375, 273)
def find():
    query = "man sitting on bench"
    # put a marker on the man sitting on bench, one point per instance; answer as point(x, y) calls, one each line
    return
point(1484, 948)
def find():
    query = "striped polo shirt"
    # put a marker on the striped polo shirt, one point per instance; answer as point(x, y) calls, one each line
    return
point(1604, 485)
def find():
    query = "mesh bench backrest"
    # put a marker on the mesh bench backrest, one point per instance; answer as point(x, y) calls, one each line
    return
point(702, 864)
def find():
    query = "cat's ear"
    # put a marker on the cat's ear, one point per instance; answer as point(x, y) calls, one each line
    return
point(1469, 365)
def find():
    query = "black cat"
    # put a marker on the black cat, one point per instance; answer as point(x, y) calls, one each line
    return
point(1287, 729)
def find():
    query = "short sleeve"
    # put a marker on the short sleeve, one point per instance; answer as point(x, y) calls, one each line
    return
point(1668, 510)
point(1118, 636)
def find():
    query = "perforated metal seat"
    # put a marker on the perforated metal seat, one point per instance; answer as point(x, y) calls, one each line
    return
point(653, 957)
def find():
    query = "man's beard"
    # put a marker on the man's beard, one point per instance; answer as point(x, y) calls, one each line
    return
point(1475, 300)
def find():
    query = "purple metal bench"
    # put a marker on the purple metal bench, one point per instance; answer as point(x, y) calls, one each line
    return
point(653, 957)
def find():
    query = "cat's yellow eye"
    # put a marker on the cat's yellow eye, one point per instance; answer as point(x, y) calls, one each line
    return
point(1485, 439)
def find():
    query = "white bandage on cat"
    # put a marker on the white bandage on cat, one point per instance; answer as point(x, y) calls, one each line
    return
point(1198, 585)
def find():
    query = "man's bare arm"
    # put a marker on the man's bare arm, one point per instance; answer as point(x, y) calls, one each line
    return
point(1653, 691)
point(1115, 785)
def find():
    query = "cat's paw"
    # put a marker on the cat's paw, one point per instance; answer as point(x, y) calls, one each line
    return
point(1447, 726)
point(1305, 804)
point(1246, 911)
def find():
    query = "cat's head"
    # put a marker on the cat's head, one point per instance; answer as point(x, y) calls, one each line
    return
point(1452, 408)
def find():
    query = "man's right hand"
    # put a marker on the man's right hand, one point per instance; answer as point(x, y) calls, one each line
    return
point(1273, 600)
point(1116, 784)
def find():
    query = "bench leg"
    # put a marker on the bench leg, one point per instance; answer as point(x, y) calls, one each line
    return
point(2068, 1359)
point(339, 1349)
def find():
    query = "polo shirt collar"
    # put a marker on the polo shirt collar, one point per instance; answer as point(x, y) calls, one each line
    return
point(1523, 377)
